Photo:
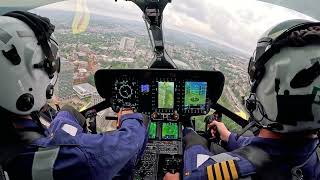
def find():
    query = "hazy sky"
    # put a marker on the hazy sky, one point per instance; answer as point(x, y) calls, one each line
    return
point(236, 23)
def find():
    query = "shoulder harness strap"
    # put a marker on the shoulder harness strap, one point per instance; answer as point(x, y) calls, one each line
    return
point(266, 167)
point(258, 157)
point(11, 151)
point(318, 153)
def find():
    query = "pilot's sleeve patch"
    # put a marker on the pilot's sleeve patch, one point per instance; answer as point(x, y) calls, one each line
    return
point(69, 129)
point(225, 170)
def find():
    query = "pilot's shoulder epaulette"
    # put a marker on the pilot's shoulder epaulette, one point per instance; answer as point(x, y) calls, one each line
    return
point(225, 170)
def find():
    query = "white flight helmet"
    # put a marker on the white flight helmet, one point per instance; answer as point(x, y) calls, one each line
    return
point(29, 62)
point(285, 78)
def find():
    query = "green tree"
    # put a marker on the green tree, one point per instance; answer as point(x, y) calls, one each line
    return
point(91, 80)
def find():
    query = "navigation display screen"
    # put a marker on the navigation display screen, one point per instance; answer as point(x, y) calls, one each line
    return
point(195, 94)
point(170, 131)
point(152, 130)
point(165, 95)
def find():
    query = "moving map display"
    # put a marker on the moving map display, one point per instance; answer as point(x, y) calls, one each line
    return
point(152, 130)
point(165, 95)
point(195, 94)
point(170, 131)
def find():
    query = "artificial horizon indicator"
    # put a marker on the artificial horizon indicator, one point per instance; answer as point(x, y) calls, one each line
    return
point(165, 95)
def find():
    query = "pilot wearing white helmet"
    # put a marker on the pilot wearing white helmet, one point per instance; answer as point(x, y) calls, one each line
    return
point(29, 65)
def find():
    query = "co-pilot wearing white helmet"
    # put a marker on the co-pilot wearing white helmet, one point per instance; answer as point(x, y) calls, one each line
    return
point(284, 103)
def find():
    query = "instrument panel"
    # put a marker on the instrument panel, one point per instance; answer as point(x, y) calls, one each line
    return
point(163, 94)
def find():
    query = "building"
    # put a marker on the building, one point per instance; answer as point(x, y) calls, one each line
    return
point(82, 64)
point(64, 87)
point(127, 44)
point(96, 99)
point(84, 48)
point(80, 77)
point(92, 64)
point(84, 90)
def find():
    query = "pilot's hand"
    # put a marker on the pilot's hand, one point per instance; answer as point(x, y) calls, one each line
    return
point(221, 128)
point(124, 111)
point(170, 176)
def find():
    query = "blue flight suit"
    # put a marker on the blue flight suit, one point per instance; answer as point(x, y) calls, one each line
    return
point(292, 152)
point(69, 153)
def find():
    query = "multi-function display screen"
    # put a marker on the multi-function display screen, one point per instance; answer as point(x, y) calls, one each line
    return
point(170, 131)
point(165, 95)
point(152, 130)
point(195, 94)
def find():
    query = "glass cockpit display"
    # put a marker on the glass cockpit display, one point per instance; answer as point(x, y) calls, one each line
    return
point(170, 131)
point(165, 95)
point(195, 94)
point(152, 130)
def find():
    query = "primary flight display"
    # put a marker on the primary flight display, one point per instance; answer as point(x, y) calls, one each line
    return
point(165, 95)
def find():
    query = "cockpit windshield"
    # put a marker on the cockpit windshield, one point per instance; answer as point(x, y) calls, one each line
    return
point(200, 35)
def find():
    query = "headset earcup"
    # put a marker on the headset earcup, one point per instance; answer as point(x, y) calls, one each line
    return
point(25, 102)
point(49, 91)
point(250, 103)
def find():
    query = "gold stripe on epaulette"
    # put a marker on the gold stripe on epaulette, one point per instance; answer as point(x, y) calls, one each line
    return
point(210, 173)
point(233, 169)
point(225, 171)
point(217, 171)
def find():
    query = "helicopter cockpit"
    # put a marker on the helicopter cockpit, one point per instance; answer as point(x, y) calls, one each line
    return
point(167, 95)
point(170, 97)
